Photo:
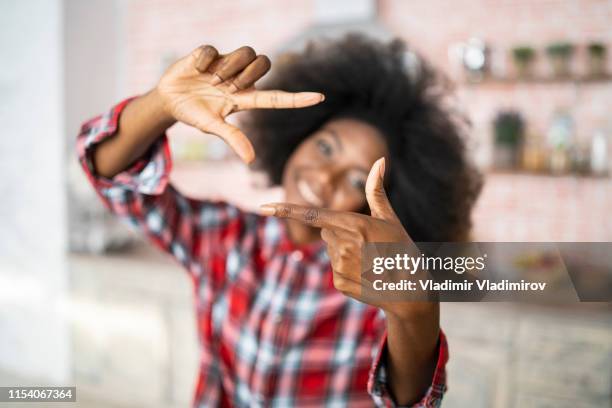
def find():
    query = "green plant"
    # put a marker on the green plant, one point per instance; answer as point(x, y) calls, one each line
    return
point(596, 49)
point(560, 49)
point(508, 127)
point(523, 54)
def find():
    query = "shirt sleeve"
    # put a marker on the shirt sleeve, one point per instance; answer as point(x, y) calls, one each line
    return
point(141, 196)
point(377, 382)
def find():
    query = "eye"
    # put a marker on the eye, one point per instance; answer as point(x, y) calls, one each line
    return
point(324, 147)
point(357, 181)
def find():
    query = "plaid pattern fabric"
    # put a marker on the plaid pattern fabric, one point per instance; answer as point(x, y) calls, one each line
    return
point(273, 329)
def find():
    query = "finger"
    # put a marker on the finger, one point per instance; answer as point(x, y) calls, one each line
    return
point(217, 63)
point(328, 235)
point(276, 99)
point(376, 196)
point(337, 235)
point(247, 78)
point(233, 137)
point(342, 245)
point(206, 55)
point(186, 65)
point(234, 63)
point(347, 285)
point(315, 217)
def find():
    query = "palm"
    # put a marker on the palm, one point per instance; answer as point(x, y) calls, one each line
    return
point(193, 99)
point(203, 94)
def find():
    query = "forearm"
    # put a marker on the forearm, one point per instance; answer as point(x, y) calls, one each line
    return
point(142, 122)
point(412, 351)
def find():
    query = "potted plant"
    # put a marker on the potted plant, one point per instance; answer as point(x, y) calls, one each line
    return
point(523, 60)
point(560, 56)
point(508, 130)
point(597, 59)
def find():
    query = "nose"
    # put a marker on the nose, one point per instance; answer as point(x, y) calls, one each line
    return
point(326, 178)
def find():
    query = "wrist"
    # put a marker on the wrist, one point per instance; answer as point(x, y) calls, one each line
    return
point(158, 106)
point(403, 314)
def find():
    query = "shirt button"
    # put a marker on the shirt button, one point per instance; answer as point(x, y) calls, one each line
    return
point(297, 255)
point(278, 318)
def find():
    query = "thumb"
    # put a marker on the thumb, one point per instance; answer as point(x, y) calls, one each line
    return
point(233, 137)
point(376, 196)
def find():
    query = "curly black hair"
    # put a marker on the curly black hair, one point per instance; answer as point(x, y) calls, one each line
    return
point(430, 182)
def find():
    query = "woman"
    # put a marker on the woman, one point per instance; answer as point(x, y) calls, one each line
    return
point(279, 312)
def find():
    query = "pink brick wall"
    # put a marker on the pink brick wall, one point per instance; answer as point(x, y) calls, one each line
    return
point(568, 209)
point(433, 26)
point(538, 208)
point(160, 28)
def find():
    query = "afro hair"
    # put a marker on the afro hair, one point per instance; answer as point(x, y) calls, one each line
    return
point(430, 182)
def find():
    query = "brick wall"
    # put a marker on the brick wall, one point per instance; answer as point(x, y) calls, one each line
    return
point(502, 356)
point(161, 30)
point(432, 26)
point(537, 208)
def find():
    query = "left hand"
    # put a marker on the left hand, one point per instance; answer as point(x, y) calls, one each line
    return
point(346, 232)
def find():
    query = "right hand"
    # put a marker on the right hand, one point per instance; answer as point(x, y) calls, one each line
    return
point(204, 87)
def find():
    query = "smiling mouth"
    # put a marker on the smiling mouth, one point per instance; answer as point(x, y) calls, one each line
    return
point(308, 194)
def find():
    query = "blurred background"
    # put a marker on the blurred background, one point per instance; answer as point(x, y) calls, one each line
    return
point(84, 302)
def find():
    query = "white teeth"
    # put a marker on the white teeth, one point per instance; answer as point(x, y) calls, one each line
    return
point(308, 194)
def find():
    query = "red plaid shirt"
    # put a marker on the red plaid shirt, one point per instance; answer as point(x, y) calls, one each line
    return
point(273, 329)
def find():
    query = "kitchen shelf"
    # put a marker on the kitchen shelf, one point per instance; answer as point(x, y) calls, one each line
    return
point(574, 80)
point(543, 174)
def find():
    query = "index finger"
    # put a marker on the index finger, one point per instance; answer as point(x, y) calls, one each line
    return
point(276, 99)
point(315, 217)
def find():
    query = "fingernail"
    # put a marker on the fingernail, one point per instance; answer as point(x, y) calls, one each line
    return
point(216, 80)
point(232, 88)
point(381, 169)
point(267, 209)
point(322, 97)
point(309, 97)
point(246, 152)
point(248, 157)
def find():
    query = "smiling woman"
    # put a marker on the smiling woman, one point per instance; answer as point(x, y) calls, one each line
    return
point(375, 105)
point(280, 317)
point(329, 169)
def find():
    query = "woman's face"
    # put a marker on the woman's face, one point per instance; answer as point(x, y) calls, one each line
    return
point(329, 169)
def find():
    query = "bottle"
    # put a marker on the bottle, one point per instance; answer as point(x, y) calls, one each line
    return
point(560, 139)
point(599, 154)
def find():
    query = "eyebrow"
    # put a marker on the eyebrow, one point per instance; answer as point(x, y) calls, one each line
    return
point(335, 137)
point(339, 143)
